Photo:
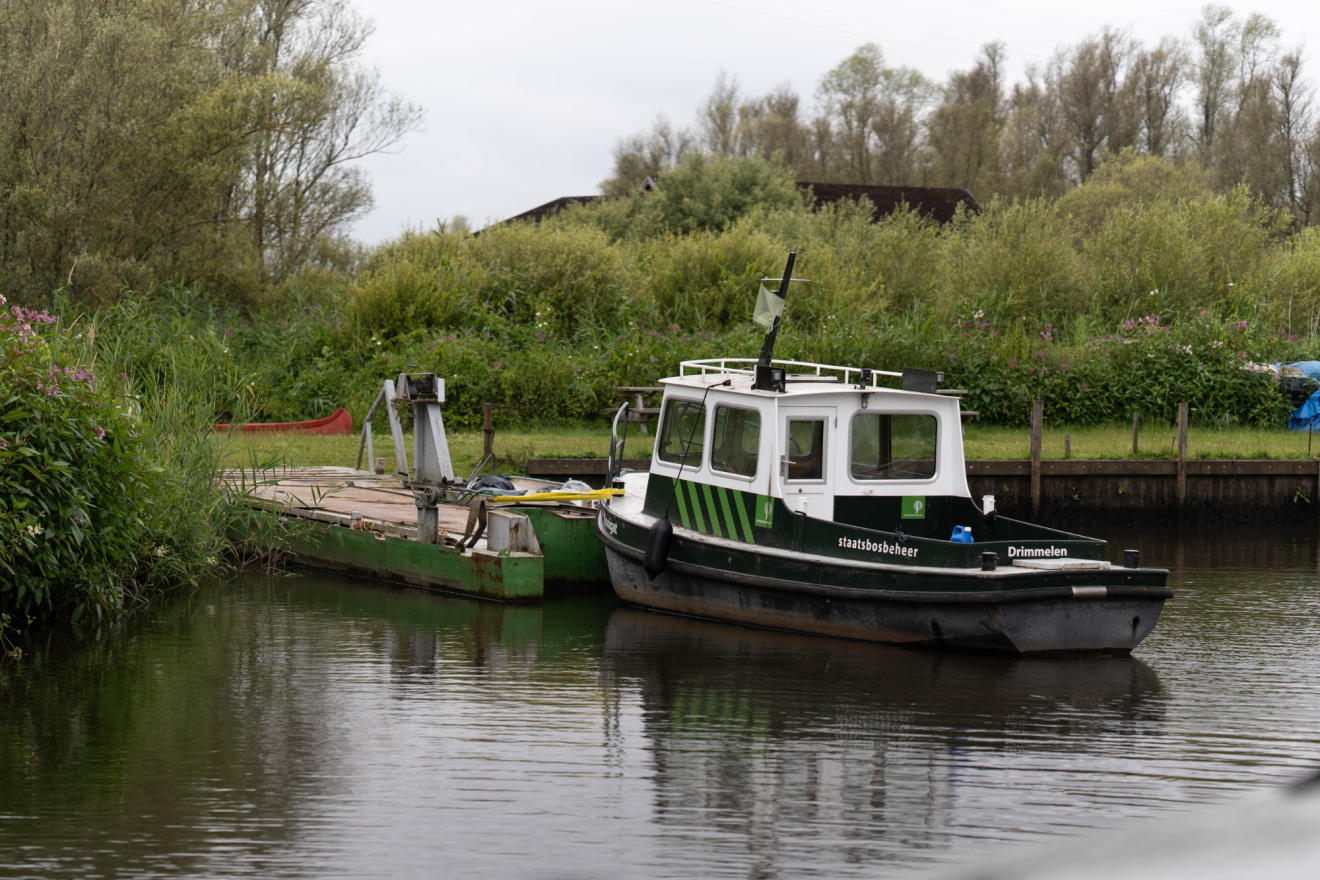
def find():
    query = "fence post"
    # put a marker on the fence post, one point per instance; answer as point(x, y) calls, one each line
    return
point(1136, 421)
point(1037, 419)
point(488, 428)
point(1182, 453)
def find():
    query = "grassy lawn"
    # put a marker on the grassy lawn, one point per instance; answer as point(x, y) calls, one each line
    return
point(1155, 441)
point(514, 447)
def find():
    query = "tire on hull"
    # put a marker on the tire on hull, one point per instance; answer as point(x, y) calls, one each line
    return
point(1083, 625)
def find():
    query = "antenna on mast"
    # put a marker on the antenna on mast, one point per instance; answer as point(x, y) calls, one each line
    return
point(766, 380)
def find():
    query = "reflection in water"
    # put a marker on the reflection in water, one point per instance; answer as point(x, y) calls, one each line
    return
point(870, 748)
point(317, 726)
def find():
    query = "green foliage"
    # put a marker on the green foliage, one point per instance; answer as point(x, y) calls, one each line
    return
point(149, 141)
point(1145, 365)
point(73, 479)
point(1013, 260)
point(556, 278)
point(1182, 256)
point(108, 486)
point(702, 280)
point(1132, 179)
point(409, 284)
point(700, 194)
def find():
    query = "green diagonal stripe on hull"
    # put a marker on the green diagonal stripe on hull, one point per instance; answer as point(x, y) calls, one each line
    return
point(682, 504)
point(696, 507)
point(714, 513)
point(728, 514)
point(740, 503)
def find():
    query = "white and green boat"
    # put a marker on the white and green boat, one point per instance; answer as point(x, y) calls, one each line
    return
point(811, 498)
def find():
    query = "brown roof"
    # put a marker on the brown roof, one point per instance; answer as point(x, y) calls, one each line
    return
point(540, 212)
point(937, 203)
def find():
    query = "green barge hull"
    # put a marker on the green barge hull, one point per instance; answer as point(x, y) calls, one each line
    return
point(359, 523)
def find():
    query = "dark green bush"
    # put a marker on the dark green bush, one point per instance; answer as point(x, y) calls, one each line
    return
point(73, 478)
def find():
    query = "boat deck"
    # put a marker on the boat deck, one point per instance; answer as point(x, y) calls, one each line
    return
point(369, 527)
point(336, 494)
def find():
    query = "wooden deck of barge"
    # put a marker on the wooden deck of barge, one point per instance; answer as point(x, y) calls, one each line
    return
point(366, 524)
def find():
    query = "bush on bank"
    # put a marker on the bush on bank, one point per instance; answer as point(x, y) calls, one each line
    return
point(72, 479)
point(106, 492)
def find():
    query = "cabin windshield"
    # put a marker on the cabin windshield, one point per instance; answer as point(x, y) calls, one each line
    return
point(682, 433)
point(736, 441)
point(893, 446)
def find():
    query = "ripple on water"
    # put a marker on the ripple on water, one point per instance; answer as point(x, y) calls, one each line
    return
point(316, 726)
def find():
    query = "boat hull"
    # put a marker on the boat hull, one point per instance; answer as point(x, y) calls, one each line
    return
point(339, 423)
point(1050, 621)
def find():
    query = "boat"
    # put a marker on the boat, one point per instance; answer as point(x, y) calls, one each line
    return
point(338, 422)
point(820, 499)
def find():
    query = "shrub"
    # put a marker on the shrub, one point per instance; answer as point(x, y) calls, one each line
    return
point(1192, 256)
point(709, 194)
point(73, 480)
point(556, 278)
point(1130, 179)
point(1014, 260)
point(708, 280)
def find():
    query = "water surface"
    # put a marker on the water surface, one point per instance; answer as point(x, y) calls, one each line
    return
point(322, 727)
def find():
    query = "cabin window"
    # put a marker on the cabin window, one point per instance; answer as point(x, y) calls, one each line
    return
point(736, 441)
point(893, 446)
point(806, 449)
point(682, 433)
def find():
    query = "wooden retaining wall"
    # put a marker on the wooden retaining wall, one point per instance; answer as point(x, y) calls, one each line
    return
point(1216, 489)
point(1224, 490)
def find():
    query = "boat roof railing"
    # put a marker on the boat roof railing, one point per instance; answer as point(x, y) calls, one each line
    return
point(745, 367)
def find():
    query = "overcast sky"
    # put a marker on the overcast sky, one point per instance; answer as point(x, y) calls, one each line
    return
point(525, 100)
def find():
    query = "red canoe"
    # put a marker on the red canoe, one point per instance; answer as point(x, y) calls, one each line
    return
point(338, 422)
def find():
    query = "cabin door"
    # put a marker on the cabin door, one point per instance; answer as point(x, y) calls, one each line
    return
point(806, 438)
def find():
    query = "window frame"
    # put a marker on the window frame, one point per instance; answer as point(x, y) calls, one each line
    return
point(759, 441)
point(706, 424)
point(825, 457)
point(907, 481)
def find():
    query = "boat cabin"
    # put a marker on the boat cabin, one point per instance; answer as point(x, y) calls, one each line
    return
point(830, 445)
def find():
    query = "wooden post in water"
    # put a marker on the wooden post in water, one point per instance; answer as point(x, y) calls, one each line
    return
point(1182, 453)
point(488, 428)
point(1136, 422)
point(1037, 421)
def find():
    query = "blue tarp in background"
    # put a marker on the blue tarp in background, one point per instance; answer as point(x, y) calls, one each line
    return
point(1307, 416)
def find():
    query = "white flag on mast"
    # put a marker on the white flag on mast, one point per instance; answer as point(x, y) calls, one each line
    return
point(769, 305)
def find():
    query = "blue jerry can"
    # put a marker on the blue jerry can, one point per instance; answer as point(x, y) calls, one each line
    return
point(962, 535)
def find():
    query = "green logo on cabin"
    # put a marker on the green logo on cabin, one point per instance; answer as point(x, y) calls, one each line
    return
point(765, 511)
point(914, 507)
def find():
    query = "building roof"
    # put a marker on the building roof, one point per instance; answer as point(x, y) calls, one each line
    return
point(940, 204)
point(540, 212)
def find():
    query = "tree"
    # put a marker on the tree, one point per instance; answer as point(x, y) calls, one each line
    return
point(646, 154)
point(717, 119)
point(966, 129)
point(1157, 75)
point(1095, 98)
point(323, 112)
point(1215, 35)
point(849, 96)
point(207, 141)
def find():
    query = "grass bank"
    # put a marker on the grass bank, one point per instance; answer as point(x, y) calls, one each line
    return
point(990, 442)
